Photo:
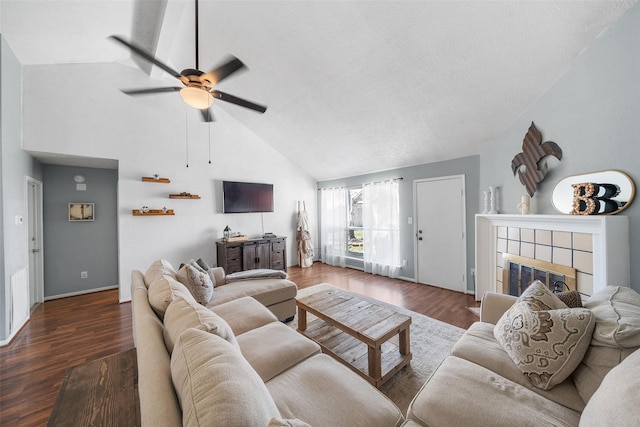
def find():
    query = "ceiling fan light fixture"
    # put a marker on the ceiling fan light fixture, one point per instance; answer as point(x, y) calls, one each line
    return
point(196, 97)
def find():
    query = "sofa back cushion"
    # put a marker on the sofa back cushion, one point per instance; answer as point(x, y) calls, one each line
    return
point(545, 338)
point(182, 315)
point(157, 269)
point(163, 290)
point(615, 402)
point(216, 386)
point(616, 335)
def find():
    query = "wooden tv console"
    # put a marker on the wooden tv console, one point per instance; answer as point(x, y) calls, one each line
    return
point(252, 253)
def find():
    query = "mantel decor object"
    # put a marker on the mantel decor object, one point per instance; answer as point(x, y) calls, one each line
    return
point(524, 207)
point(529, 164)
point(605, 192)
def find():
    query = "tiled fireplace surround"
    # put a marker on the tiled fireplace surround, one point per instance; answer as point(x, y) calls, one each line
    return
point(596, 246)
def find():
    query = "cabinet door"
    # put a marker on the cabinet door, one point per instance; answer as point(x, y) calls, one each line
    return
point(249, 257)
point(263, 252)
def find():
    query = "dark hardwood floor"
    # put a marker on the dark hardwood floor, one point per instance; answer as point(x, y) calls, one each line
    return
point(70, 331)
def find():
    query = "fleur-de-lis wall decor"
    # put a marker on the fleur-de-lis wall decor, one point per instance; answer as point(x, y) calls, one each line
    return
point(528, 164)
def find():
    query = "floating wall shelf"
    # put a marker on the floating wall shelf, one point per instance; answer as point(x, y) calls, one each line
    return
point(184, 196)
point(152, 212)
point(158, 180)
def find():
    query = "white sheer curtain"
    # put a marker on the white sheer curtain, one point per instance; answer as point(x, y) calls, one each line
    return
point(381, 226)
point(333, 226)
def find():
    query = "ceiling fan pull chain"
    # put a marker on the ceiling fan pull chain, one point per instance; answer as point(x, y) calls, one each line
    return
point(186, 136)
point(209, 113)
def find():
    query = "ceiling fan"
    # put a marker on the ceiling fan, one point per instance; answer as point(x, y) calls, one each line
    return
point(199, 87)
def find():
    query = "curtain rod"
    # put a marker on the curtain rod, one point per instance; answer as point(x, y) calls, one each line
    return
point(363, 184)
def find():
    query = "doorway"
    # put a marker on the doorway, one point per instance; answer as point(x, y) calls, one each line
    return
point(440, 244)
point(34, 242)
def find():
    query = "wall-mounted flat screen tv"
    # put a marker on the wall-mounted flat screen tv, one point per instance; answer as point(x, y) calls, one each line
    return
point(243, 197)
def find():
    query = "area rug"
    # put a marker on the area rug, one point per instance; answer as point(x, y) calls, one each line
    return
point(431, 342)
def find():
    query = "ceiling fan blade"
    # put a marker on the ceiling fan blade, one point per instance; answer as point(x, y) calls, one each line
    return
point(150, 91)
point(207, 115)
point(139, 51)
point(222, 72)
point(238, 101)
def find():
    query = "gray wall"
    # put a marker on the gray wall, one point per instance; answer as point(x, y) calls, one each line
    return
point(592, 113)
point(73, 247)
point(16, 165)
point(467, 166)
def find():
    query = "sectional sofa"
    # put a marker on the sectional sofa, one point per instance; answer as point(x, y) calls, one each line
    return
point(479, 384)
point(236, 364)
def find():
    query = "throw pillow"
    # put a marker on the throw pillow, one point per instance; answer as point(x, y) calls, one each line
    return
point(545, 340)
point(571, 298)
point(216, 385)
point(197, 282)
point(203, 264)
point(182, 315)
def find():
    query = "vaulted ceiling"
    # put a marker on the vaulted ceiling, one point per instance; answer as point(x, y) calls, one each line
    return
point(351, 87)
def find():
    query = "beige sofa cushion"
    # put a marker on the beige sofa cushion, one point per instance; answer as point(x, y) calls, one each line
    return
point(333, 395)
point(461, 393)
point(215, 384)
point(182, 315)
point(244, 314)
point(197, 281)
point(270, 360)
point(163, 290)
point(615, 403)
point(157, 269)
point(546, 339)
point(616, 335)
point(478, 345)
point(617, 311)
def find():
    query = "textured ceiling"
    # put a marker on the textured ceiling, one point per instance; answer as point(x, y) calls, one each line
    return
point(352, 86)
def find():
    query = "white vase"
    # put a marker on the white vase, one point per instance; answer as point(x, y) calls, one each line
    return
point(493, 200)
point(485, 195)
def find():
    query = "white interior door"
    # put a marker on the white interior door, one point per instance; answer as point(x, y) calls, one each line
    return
point(440, 232)
point(34, 236)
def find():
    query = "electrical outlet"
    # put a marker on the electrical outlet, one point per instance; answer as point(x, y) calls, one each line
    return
point(83, 275)
point(404, 263)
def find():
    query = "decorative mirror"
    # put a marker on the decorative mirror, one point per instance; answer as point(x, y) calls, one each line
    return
point(596, 193)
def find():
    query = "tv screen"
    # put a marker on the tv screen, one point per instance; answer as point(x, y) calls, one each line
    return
point(242, 197)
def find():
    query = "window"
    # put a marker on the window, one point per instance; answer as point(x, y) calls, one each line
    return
point(362, 223)
point(355, 242)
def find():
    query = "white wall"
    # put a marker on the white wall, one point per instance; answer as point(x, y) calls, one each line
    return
point(77, 109)
point(16, 165)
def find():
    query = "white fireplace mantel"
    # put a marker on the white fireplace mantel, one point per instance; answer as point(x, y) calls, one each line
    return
point(611, 261)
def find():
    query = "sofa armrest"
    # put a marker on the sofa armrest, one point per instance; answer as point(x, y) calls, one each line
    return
point(494, 305)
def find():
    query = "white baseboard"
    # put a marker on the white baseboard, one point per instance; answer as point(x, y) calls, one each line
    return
point(13, 334)
point(88, 291)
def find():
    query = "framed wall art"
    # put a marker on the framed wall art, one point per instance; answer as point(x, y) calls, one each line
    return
point(82, 212)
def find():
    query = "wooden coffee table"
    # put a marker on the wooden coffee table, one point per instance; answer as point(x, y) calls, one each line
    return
point(357, 333)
